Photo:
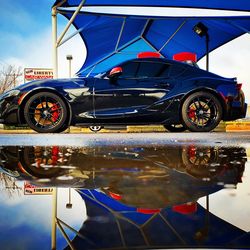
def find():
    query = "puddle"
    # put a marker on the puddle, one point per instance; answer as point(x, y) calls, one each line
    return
point(125, 197)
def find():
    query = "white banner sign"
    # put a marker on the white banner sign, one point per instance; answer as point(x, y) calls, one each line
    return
point(36, 74)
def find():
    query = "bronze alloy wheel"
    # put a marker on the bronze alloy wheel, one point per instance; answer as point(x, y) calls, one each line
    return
point(46, 112)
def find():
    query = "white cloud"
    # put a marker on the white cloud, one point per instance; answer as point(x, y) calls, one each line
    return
point(231, 60)
point(37, 52)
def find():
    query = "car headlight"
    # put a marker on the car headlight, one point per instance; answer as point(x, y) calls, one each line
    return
point(14, 92)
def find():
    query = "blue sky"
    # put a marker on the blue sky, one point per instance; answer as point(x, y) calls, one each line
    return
point(22, 20)
point(25, 40)
point(26, 219)
point(25, 36)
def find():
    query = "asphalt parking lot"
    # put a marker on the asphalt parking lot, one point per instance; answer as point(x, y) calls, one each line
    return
point(127, 139)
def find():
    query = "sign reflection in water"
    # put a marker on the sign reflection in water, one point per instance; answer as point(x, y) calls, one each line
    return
point(139, 197)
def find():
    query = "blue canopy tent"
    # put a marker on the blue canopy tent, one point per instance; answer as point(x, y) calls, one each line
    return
point(211, 4)
point(128, 228)
point(112, 37)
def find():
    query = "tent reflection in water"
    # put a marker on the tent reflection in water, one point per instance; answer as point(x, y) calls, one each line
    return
point(115, 35)
point(111, 224)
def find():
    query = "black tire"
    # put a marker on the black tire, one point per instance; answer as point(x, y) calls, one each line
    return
point(242, 101)
point(63, 128)
point(201, 112)
point(197, 161)
point(46, 112)
point(32, 158)
point(95, 128)
point(175, 128)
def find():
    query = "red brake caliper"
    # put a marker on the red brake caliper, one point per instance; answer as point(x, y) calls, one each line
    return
point(55, 154)
point(55, 112)
point(191, 113)
point(191, 152)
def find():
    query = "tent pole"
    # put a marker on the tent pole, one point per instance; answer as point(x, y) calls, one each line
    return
point(151, 45)
point(60, 4)
point(207, 52)
point(145, 27)
point(70, 21)
point(54, 218)
point(113, 53)
point(172, 36)
point(120, 35)
point(54, 41)
point(71, 36)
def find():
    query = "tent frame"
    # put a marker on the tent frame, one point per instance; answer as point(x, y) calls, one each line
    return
point(58, 41)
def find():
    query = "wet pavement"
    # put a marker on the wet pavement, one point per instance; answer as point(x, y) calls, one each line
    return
point(92, 139)
point(125, 191)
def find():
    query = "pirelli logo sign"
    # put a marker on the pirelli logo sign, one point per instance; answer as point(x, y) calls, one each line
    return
point(37, 73)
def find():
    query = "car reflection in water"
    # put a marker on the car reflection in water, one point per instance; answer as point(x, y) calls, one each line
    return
point(146, 196)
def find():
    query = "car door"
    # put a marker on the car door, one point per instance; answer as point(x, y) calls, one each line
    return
point(82, 100)
point(129, 97)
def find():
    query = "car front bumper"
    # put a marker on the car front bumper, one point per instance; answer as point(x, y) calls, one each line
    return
point(9, 111)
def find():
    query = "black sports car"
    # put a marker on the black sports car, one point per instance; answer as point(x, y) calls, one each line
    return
point(140, 91)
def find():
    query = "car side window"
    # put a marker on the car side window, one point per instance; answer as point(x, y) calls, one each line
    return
point(152, 69)
point(176, 70)
point(129, 70)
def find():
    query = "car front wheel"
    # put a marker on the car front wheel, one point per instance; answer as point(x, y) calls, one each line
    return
point(46, 112)
point(201, 112)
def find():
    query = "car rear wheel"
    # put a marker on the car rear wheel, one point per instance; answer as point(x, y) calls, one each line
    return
point(46, 112)
point(201, 112)
point(175, 127)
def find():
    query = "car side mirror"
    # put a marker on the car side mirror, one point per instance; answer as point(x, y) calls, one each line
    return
point(115, 73)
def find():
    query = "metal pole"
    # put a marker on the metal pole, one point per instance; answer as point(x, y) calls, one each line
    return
point(69, 205)
point(54, 219)
point(70, 21)
point(65, 236)
point(69, 58)
point(54, 42)
point(171, 37)
point(207, 52)
point(69, 68)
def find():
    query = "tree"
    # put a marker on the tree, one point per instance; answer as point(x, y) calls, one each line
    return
point(8, 185)
point(10, 77)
